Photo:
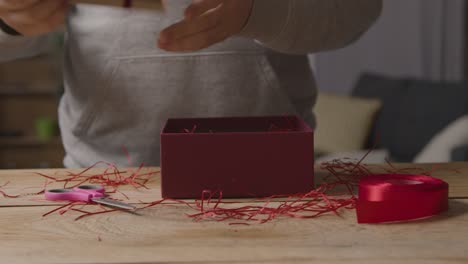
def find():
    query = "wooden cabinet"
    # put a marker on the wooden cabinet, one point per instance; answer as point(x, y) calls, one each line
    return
point(30, 89)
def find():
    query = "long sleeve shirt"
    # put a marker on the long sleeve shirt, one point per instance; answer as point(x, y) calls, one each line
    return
point(120, 88)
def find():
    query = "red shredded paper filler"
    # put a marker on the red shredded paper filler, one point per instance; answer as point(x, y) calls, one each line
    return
point(337, 192)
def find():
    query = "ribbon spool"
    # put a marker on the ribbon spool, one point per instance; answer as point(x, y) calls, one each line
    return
point(400, 197)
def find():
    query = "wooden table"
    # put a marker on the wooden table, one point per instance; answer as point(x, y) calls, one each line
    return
point(163, 234)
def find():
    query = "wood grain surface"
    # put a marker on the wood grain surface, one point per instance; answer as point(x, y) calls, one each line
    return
point(164, 234)
point(28, 182)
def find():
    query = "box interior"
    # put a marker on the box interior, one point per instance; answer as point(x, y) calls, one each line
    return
point(236, 125)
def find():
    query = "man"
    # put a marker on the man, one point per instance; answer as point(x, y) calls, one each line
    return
point(127, 71)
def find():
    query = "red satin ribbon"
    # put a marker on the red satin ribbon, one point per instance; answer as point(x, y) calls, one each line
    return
point(400, 197)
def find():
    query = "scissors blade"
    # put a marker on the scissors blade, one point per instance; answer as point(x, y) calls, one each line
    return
point(114, 203)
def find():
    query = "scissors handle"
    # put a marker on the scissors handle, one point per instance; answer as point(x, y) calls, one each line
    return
point(95, 190)
point(84, 193)
point(67, 195)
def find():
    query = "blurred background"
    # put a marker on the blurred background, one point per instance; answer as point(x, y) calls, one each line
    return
point(399, 90)
point(30, 91)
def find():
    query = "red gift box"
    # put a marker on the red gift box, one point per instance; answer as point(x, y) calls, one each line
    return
point(238, 156)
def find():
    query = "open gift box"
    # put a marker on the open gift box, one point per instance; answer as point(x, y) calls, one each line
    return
point(238, 156)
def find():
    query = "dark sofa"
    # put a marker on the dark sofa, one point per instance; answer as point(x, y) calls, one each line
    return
point(413, 112)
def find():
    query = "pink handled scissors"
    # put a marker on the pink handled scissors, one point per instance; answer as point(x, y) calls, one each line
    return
point(86, 193)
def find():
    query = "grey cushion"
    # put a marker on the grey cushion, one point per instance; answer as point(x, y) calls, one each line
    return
point(460, 153)
point(413, 111)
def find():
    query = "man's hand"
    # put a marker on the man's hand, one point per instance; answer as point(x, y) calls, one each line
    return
point(206, 22)
point(33, 17)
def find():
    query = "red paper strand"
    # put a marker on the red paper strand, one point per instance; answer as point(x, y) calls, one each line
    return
point(111, 178)
point(5, 195)
point(211, 206)
point(336, 193)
